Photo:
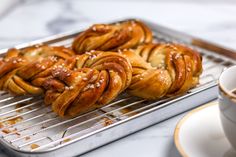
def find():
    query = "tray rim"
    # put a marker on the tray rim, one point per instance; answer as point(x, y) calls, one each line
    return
point(213, 84)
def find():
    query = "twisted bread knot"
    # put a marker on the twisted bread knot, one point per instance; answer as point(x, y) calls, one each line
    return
point(112, 37)
point(163, 70)
point(158, 69)
point(86, 82)
point(20, 68)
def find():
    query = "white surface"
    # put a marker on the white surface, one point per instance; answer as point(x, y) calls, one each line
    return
point(211, 20)
point(7, 5)
point(201, 135)
point(35, 19)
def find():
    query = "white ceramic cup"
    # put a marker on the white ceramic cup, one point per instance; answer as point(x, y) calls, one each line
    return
point(227, 103)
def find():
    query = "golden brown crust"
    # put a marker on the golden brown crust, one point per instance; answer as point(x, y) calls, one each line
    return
point(158, 69)
point(179, 64)
point(20, 68)
point(99, 77)
point(74, 84)
point(71, 84)
point(147, 81)
point(113, 37)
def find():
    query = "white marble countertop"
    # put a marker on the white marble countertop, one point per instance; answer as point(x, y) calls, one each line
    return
point(28, 20)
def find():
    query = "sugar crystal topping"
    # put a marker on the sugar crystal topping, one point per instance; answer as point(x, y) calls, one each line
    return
point(94, 28)
point(98, 84)
point(188, 69)
point(130, 28)
point(85, 78)
point(69, 87)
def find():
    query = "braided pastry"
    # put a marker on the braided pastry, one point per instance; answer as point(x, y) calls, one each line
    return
point(71, 84)
point(173, 68)
point(74, 84)
point(96, 80)
point(163, 70)
point(113, 37)
point(19, 68)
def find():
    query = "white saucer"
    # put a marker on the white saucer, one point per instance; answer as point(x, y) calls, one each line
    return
point(200, 134)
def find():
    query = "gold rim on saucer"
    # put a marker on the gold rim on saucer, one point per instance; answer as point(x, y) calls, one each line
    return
point(179, 125)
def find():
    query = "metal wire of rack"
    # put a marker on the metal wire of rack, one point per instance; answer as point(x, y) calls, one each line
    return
point(26, 124)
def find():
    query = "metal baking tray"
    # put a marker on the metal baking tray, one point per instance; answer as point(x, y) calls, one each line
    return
point(32, 129)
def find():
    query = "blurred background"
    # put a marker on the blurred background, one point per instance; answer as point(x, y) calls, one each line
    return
point(27, 20)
